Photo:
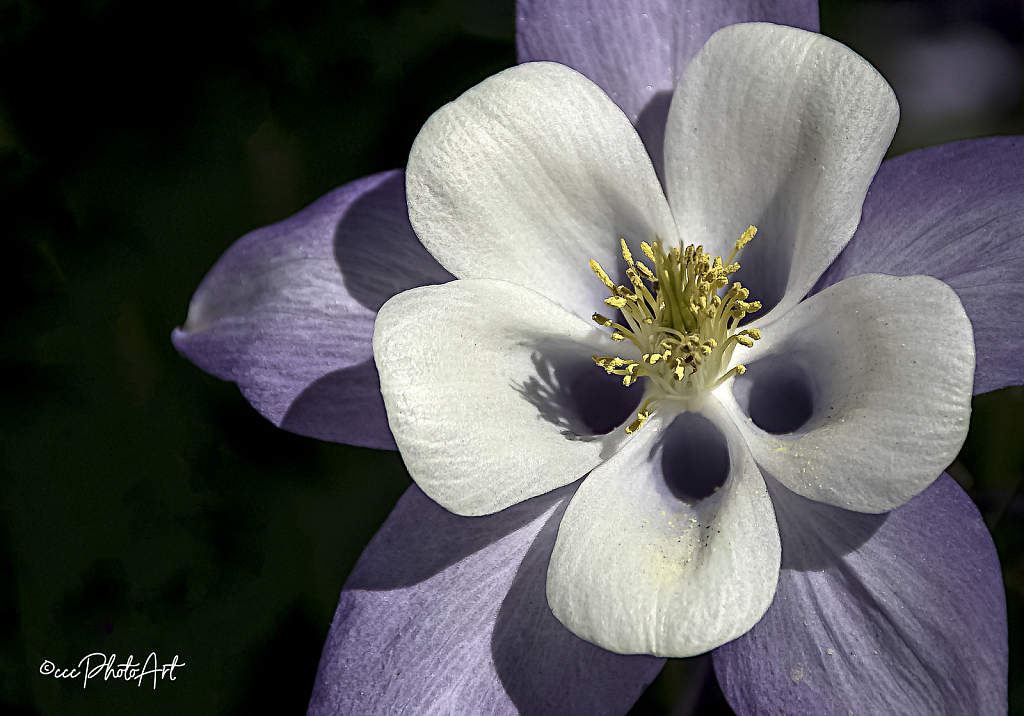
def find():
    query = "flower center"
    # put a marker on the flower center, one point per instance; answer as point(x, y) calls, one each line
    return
point(684, 330)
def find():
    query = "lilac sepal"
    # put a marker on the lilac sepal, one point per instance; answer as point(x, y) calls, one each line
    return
point(287, 312)
point(637, 50)
point(446, 614)
point(955, 212)
point(900, 613)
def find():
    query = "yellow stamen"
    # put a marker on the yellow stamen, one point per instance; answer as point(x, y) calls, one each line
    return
point(685, 331)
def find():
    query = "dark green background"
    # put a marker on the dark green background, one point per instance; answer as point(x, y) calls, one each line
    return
point(144, 506)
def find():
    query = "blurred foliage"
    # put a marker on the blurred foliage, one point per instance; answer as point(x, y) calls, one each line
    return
point(144, 506)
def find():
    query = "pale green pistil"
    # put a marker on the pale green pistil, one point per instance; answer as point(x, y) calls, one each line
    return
point(684, 330)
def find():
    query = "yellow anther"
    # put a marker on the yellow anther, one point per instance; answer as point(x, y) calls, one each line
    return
point(737, 291)
point(634, 279)
point(746, 237)
point(738, 370)
point(648, 251)
point(641, 418)
point(596, 267)
point(616, 301)
point(646, 272)
point(625, 252)
point(601, 320)
point(618, 336)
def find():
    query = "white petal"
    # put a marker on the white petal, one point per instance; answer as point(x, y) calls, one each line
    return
point(636, 569)
point(492, 394)
point(863, 391)
point(782, 129)
point(528, 176)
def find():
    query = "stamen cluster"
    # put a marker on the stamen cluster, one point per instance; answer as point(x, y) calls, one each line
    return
point(683, 329)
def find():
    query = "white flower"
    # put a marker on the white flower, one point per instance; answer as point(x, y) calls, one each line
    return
point(857, 397)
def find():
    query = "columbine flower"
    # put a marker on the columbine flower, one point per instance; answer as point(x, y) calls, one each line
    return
point(872, 612)
point(857, 397)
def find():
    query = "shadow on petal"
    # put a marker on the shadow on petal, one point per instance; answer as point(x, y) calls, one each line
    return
point(765, 262)
point(815, 536)
point(570, 391)
point(425, 539)
point(694, 457)
point(777, 393)
point(413, 627)
point(276, 315)
point(343, 406)
point(650, 125)
point(377, 250)
point(446, 614)
point(545, 668)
